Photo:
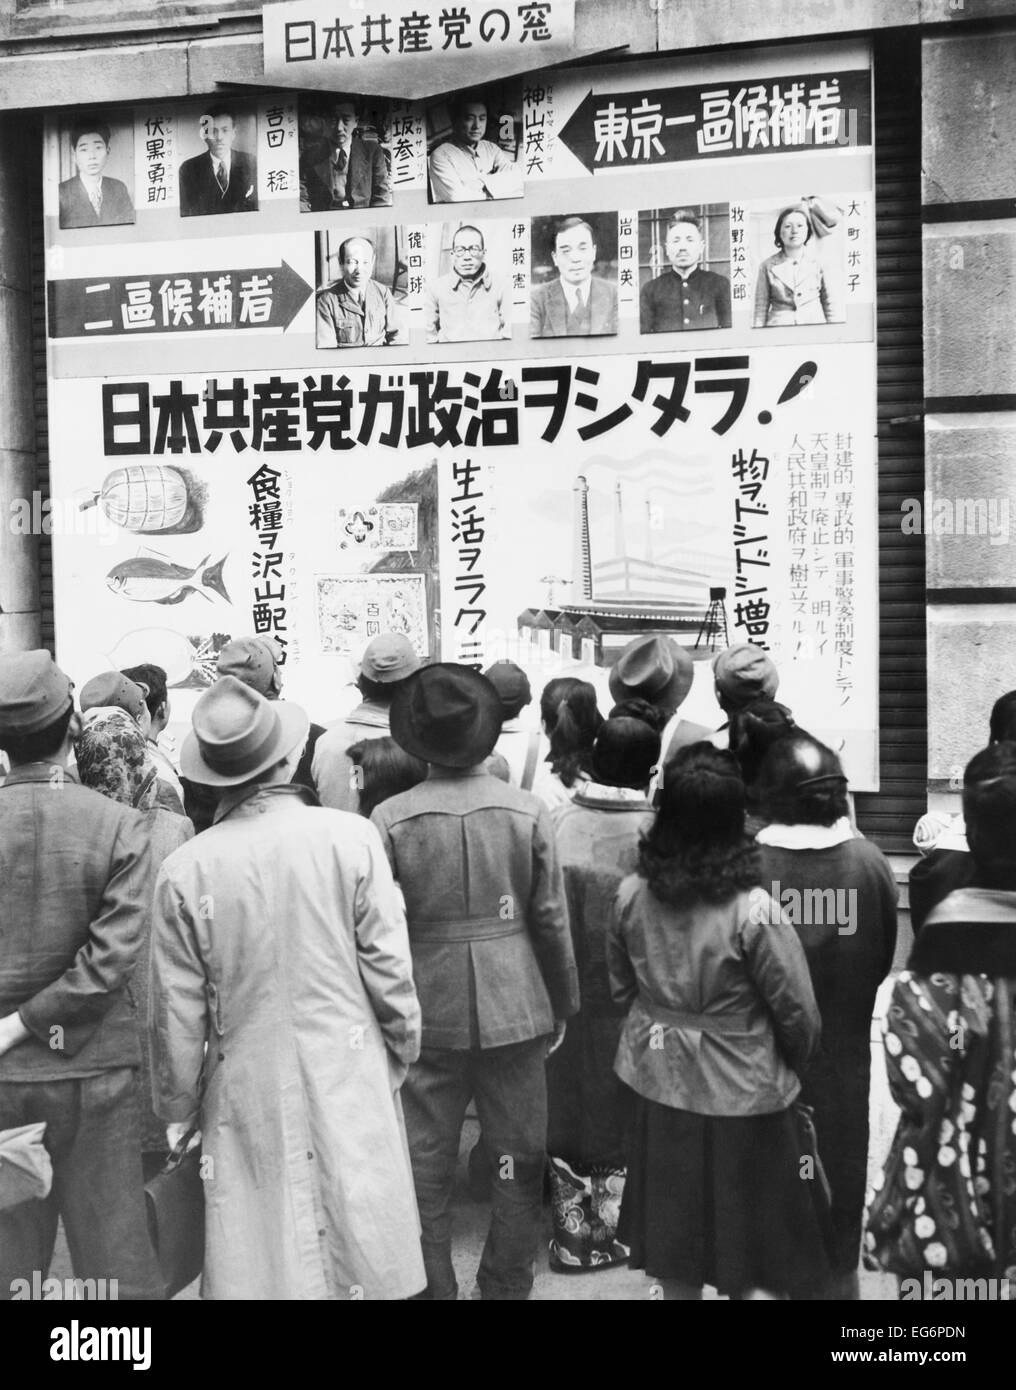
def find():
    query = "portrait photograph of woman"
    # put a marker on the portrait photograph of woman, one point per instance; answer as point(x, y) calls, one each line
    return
point(802, 282)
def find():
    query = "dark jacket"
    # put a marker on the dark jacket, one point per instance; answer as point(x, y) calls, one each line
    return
point(367, 184)
point(200, 193)
point(76, 209)
point(548, 312)
point(485, 904)
point(668, 304)
point(77, 880)
point(934, 877)
point(848, 960)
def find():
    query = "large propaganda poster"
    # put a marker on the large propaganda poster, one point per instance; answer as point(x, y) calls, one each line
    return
point(625, 384)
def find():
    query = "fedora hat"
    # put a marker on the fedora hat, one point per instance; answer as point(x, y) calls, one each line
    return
point(446, 714)
point(652, 668)
point(237, 733)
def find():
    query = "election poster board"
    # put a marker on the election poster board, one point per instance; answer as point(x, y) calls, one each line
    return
point(524, 371)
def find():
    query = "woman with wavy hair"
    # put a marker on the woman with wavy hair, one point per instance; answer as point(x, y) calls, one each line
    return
point(722, 1016)
point(793, 286)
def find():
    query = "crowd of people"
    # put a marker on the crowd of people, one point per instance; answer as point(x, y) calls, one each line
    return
point(645, 950)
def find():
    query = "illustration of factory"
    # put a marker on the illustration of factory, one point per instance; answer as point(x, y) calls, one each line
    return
point(668, 588)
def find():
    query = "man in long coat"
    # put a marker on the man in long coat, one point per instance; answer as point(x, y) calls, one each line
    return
point(278, 934)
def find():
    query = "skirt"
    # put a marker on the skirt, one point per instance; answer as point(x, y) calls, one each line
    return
point(721, 1201)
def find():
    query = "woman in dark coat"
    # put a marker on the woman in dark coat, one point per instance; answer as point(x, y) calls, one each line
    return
point(722, 1015)
point(839, 891)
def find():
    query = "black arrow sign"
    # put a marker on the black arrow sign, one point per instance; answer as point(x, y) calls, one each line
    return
point(770, 115)
point(190, 301)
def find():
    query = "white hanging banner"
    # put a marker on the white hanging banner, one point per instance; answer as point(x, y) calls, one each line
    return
point(405, 48)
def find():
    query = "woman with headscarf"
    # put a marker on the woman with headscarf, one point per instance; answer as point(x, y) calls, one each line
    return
point(793, 286)
point(113, 758)
point(722, 1016)
point(839, 891)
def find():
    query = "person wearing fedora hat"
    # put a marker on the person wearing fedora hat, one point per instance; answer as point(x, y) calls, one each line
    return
point(72, 915)
point(657, 669)
point(493, 963)
point(387, 661)
point(257, 661)
point(279, 934)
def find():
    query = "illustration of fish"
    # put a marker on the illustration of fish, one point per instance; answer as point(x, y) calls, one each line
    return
point(149, 580)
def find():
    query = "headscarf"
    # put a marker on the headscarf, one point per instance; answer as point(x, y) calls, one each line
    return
point(113, 758)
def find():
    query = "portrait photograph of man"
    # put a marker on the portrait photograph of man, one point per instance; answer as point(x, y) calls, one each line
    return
point(684, 257)
point(473, 146)
point(343, 163)
point(363, 286)
point(95, 149)
point(467, 297)
point(224, 177)
point(574, 291)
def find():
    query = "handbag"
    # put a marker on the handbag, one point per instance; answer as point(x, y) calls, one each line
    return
point(585, 1207)
point(175, 1204)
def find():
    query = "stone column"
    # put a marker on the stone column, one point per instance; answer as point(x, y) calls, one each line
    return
point(19, 575)
point(969, 114)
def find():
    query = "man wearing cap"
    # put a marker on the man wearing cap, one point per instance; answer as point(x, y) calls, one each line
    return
point(493, 964)
point(116, 690)
point(742, 674)
point(521, 748)
point(385, 664)
point(72, 915)
point(257, 662)
point(279, 935)
point(659, 670)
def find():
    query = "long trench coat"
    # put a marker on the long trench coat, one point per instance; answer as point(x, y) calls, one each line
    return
point(279, 934)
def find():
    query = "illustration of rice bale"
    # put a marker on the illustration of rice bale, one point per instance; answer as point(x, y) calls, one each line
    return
point(149, 499)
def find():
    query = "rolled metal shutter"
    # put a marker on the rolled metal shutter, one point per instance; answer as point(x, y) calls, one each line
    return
point(32, 134)
point(888, 816)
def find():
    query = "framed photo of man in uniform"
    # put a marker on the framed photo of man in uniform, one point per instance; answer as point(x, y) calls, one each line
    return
point(684, 268)
point(362, 279)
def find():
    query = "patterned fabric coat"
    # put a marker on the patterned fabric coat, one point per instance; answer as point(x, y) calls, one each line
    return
point(946, 1201)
